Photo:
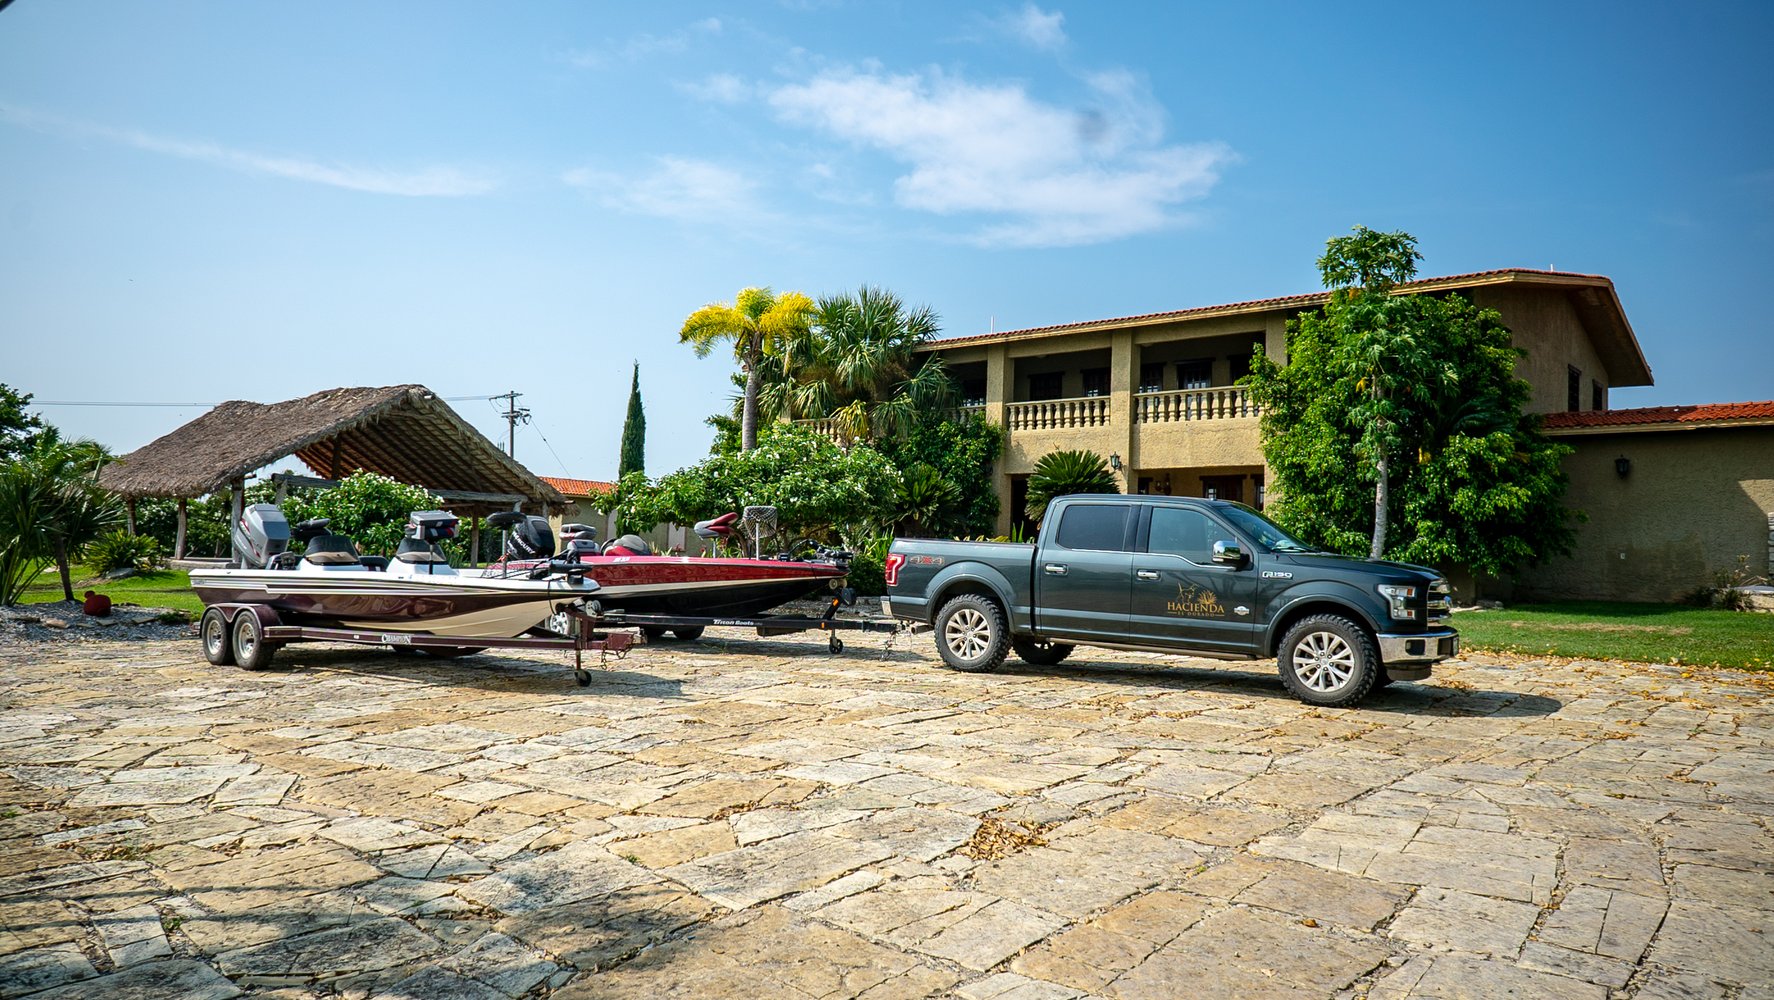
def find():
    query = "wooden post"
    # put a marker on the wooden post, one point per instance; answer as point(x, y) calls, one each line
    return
point(474, 541)
point(178, 545)
point(129, 514)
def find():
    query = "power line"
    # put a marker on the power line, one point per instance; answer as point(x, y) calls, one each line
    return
point(100, 402)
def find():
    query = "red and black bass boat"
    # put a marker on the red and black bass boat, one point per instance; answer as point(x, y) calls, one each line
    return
point(632, 579)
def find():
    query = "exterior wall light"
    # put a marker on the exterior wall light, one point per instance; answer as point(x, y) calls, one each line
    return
point(1622, 466)
point(1115, 461)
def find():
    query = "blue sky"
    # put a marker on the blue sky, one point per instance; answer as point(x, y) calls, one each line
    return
point(209, 201)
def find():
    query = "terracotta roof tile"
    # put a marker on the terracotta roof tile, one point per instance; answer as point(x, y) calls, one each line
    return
point(577, 487)
point(1695, 414)
point(1302, 300)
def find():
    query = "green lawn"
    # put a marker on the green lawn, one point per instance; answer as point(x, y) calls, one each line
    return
point(159, 589)
point(1646, 633)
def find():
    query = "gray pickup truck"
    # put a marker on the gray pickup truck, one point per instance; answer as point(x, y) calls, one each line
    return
point(1176, 575)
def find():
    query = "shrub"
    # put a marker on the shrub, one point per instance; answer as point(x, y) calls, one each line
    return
point(868, 566)
point(117, 550)
point(1060, 473)
point(369, 509)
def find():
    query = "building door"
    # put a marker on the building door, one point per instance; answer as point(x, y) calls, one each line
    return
point(1223, 487)
point(1180, 595)
point(1083, 572)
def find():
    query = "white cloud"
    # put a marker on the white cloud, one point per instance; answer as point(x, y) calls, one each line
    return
point(1052, 176)
point(644, 45)
point(677, 188)
point(1035, 27)
point(718, 88)
point(439, 181)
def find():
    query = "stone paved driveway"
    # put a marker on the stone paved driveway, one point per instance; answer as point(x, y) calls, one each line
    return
point(766, 820)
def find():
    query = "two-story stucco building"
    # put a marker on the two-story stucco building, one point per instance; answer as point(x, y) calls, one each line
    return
point(1156, 394)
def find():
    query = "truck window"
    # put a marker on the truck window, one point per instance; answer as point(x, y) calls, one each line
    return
point(1183, 532)
point(1094, 526)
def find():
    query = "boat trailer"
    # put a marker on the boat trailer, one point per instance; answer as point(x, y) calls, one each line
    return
point(691, 626)
point(250, 634)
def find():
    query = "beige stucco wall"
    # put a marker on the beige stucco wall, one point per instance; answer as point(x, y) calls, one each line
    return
point(1694, 501)
point(1544, 323)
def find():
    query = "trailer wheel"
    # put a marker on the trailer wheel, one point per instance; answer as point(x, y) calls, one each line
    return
point(653, 632)
point(689, 633)
point(213, 630)
point(451, 652)
point(582, 678)
point(835, 644)
point(251, 650)
point(1328, 660)
point(970, 634)
point(1041, 654)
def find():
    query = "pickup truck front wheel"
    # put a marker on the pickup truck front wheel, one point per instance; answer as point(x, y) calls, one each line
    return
point(1329, 660)
point(971, 635)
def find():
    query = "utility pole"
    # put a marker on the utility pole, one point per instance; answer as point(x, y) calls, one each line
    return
point(513, 413)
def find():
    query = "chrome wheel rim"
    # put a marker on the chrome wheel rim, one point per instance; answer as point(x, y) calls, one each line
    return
point(245, 641)
point(215, 635)
point(968, 634)
point(1324, 662)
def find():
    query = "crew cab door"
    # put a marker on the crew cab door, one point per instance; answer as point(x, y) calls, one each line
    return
point(1082, 572)
point(1181, 597)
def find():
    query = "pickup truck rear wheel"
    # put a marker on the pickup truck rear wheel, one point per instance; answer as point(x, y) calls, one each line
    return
point(971, 635)
point(1041, 654)
point(1329, 660)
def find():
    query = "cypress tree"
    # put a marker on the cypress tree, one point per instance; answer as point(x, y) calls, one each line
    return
point(634, 431)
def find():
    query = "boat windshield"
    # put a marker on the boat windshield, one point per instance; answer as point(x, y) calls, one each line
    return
point(1266, 532)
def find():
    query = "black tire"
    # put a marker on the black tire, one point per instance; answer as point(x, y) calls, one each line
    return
point(971, 635)
point(1041, 654)
point(1328, 660)
point(689, 633)
point(212, 631)
point(653, 632)
point(451, 652)
point(246, 641)
point(1381, 678)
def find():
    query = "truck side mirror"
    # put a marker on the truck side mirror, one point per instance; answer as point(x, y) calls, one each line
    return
point(1228, 551)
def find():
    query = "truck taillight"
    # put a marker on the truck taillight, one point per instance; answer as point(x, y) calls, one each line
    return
point(891, 570)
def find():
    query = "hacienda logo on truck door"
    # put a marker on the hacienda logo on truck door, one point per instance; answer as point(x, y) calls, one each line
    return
point(1196, 603)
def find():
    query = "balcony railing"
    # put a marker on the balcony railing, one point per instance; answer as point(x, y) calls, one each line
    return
point(1219, 403)
point(1051, 414)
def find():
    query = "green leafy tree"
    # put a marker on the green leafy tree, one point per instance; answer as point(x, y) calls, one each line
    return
point(818, 489)
point(51, 507)
point(368, 508)
point(962, 451)
point(17, 428)
point(1396, 426)
point(1060, 473)
point(634, 431)
point(758, 322)
point(857, 365)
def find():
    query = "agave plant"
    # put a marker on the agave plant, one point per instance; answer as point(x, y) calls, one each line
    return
point(1060, 473)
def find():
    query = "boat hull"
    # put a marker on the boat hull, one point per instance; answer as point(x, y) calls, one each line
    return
point(681, 585)
point(469, 607)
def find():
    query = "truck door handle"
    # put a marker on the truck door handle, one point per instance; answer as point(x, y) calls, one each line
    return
point(1146, 574)
point(1054, 569)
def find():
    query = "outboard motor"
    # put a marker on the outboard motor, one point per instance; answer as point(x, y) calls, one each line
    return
point(530, 538)
point(259, 535)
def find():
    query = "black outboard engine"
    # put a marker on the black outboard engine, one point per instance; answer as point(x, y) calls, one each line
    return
point(259, 535)
point(531, 538)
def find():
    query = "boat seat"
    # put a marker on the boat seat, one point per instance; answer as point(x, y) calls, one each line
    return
point(629, 545)
point(373, 562)
point(577, 547)
point(331, 550)
point(411, 550)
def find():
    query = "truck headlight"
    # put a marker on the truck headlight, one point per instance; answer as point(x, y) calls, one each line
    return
point(1397, 599)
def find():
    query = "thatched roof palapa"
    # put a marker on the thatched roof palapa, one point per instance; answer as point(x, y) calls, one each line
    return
point(402, 431)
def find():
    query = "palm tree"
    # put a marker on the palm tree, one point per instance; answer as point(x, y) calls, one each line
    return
point(1060, 473)
point(858, 366)
point(758, 322)
point(51, 506)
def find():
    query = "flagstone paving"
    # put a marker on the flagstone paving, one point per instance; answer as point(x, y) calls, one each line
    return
point(759, 818)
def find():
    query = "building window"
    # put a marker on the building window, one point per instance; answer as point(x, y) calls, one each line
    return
point(1240, 366)
point(1573, 389)
point(1196, 374)
point(1096, 381)
point(973, 392)
point(1047, 385)
point(1598, 397)
point(1152, 377)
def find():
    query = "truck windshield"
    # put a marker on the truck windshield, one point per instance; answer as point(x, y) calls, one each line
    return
point(1266, 532)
